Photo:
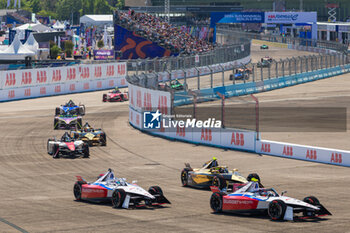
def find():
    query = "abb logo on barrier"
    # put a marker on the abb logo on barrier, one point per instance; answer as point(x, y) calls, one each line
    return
point(71, 74)
point(162, 104)
point(86, 86)
point(110, 70)
point(287, 150)
point(138, 119)
point(27, 92)
point(237, 139)
point(336, 158)
point(11, 94)
point(42, 90)
point(131, 96)
point(311, 154)
point(57, 89)
point(10, 79)
point(206, 135)
point(111, 83)
point(84, 72)
point(56, 75)
point(265, 147)
point(147, 101)
point(72, 87)
point(26, 78)
point(98, 72)
point(138, 99)
point(41, 76)
point(180, 131)
point(122, 82)
point(121, 69)
point(99, 84)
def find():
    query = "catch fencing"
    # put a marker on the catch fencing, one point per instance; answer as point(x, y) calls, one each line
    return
point(227, 33)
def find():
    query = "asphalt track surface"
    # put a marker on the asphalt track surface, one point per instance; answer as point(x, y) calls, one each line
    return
point(37, 191)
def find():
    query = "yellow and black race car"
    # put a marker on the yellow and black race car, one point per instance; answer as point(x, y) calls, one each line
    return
point(211, 174)
point(94, 137)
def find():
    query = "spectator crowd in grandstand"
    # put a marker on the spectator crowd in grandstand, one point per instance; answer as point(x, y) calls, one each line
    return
point(158, 30)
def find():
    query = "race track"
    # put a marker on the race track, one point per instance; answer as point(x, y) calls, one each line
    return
point(37, 191)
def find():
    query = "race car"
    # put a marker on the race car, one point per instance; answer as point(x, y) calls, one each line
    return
point(91, 136)
point(264, 46)
point(241, 73)
point(265, 62)
point(211, 174)
point(67, 146)
point(251, 198)
point(70, 108)
point(176, 85)
point(67, 121)
point(115, 96)
point(121, 193)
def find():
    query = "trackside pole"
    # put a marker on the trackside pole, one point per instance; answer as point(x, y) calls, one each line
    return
point(256, 116)
point(222, 108)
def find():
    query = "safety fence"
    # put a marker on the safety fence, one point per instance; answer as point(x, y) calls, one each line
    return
point(227, 33)
point(32, 83)
point(151, 92)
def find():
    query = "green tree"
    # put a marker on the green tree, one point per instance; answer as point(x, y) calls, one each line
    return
point(102, 7)
point(68, 47)
point(65, 8)
point(35, 5)
point(54, 51)
point(100, 44)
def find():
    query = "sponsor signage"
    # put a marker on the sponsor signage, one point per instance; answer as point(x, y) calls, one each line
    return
point(290, 17)
point(243, 17)
point(103, 55)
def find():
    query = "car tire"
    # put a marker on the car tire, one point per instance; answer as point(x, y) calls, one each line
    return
point(184, 178)
point(57, 111)
point(104, 98)
point(216, 201)
point(103, 140)
point(77, 190)
point(55, 124)
point(55, 152)
point(277, 209)
point(48, 147)
point(155, 190)
point(86, 151)
point(79, 124)
point(118, 198)
point(81, 110)
point(219, 181)
point(312, 201)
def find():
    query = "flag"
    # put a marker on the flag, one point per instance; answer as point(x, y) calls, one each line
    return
point(8, 3)
point(19, 3)
point(59, 42)
point(15, 3)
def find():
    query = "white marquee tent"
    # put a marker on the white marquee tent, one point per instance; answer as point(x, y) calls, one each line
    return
point(17, 51)
point(97, 20)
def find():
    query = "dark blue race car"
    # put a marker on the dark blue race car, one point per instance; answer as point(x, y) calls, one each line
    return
point(70, 108)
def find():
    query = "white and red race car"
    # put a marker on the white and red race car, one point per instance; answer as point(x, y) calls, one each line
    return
point(250, 198)
point(122, 194)
point(115, 96)
point(67, 146)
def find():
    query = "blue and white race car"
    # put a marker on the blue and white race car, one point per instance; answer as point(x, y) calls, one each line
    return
point(70, 108)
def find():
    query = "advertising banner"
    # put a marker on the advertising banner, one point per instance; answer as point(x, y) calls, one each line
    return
point(103, 54)
point(290, 17)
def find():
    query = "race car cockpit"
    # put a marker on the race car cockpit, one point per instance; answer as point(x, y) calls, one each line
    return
point(210, 164)
point(70, 103)
point(87, 128)
point(66, 138)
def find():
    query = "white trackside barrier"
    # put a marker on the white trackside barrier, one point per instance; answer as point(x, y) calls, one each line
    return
point(309, 153)
point(143, 99)
point(31, 83)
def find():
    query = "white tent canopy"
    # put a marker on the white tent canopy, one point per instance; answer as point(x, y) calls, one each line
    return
point(97, 20)
point(58, 25)
point(16, 51)
point(32, 44)
point(37, 27)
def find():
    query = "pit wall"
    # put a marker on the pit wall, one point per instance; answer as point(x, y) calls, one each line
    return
point(34, 83)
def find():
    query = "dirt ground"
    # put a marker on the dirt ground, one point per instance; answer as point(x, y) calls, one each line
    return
point(37, 191)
